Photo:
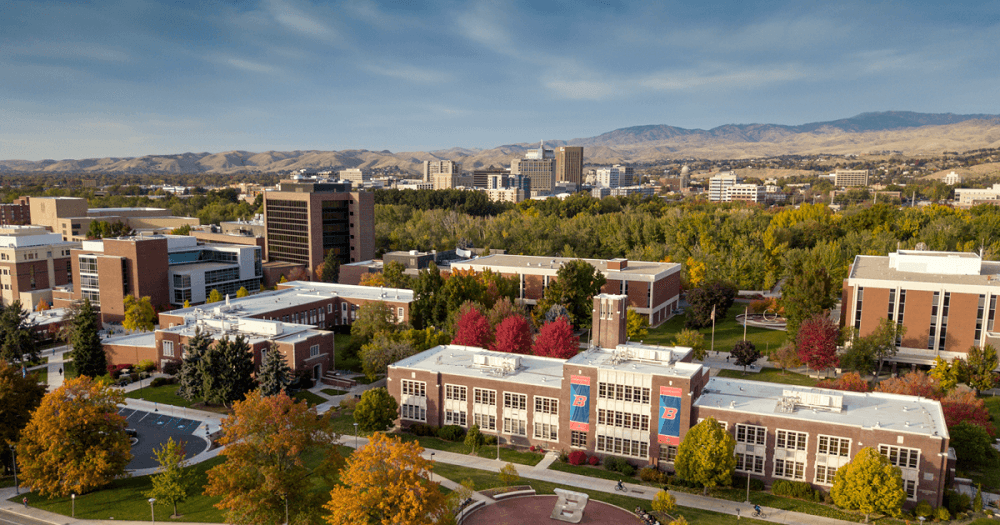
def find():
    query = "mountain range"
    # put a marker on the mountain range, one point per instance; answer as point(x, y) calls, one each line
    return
point(909, 132)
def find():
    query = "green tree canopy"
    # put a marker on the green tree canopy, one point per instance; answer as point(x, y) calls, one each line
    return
point(331, 268)
point(171, 483)
point(376, 410)
point(980, 364)
point(869, 483)
point(576, 284)
point(274, 374)
point(714, 297)
point(88, 353)
point(808, 291)
point(706, 455)
point(19, 396)
point(17, 335)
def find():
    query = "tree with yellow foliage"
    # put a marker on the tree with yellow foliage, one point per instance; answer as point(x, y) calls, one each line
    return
point(75, 441)
point(387, 481)
point(139, 314)
point(372, 279)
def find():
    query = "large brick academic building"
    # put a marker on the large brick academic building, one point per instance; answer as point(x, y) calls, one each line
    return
point(638, 401)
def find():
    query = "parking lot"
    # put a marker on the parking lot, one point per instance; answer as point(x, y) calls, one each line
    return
point(155, 428)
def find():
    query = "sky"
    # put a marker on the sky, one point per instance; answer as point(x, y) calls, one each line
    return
point(85, 79)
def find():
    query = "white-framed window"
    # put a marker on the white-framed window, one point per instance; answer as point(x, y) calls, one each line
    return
point(168, 349)
point(825, 474)
point(751, 434)
point(791, 440)
point(723, 424)
point(788, 469)
point(515, 426)
point(901, 457)
point(623, 393)
point(313, 350)
point(399, 313)
point(484, 397)
point(622, 447)
point(412, 412)
point(546, 405)
point(413, 388)
point(910, 487)
point(615, 418)
point(577, 439)
point(485, 421)
point(515, 401)
point(668, 453)
point(834, 446)
point(456, 392)
point(746, 462)
point(546, 431)
point(329, 308)
point(455, 417)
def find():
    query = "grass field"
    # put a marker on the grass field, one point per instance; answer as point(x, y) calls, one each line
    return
point(333, 392)
point(309, 397)
point(593, 472)
point(164, 395)
point(993, 405)
point(69, 370)
point(772, 375)
point(727, 333)
point(506, 454)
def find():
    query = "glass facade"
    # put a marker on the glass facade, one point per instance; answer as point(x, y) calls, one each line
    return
point(288, 231)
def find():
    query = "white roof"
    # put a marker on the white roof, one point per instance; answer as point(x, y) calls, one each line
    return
point(639, 358)
point(470, 361)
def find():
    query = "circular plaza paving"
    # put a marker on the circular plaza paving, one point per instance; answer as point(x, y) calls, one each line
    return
point(537, 509)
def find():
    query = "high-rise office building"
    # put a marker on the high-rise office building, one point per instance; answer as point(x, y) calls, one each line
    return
point(306, 217)
point(569, 164)
point(718, 186)
point(440, 167)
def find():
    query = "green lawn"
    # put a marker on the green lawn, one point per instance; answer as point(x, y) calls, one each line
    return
point(164, 395)
point(333, 392)
point(490, 452)
point(993, 405)
point(343, 362)
point(309, 397)
point(43, 375)
point(593, 472)
point(69, 370)
point(771, 375)
point(727, 333)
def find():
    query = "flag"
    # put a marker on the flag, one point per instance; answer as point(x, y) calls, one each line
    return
point(713, 312)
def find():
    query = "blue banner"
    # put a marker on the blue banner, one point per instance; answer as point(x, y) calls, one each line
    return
point(669, 428)
point(579, 413)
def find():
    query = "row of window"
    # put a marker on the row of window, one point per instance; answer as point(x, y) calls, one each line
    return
point(622, 446)
point(414, 388)
point(635, 394)
point(622, 419)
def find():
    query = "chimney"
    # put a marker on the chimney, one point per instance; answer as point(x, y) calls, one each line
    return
point(609, 322)
point(617, 264)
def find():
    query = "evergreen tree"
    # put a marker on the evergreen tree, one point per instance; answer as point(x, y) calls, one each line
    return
point(227, 371)
point(17, 337)
point(88, 353)
point(331, 268)
point(274, 372)
point(190, 375)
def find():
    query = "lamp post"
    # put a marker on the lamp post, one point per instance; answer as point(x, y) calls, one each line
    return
point(355, 436)
point(72, 497)
point(152, 513)
point(748, 488)
point(431, 476)
point(13, 460)
point(499, 433)
point(285, 497)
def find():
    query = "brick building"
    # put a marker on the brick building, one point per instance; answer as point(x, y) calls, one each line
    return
point(945, 300)
point(71, 217)
point(33, 261)
point(15, 213)
point(307, 217)
point(638, 401)
point(653, 288)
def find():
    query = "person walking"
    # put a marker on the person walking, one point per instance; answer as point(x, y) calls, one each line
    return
point(25, 501)
point(60, 371)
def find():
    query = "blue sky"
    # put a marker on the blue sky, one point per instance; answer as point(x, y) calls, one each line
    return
point(83, 79)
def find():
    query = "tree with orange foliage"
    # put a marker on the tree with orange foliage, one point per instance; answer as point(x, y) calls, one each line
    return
point(556, 339)
point(387, 481)
point(964, 406)
point(912, 384)
point(266, 439)
point(850, 382)
point(374, 280)
point(75, 441)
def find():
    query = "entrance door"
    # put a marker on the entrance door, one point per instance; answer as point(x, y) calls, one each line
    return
point(317, 372)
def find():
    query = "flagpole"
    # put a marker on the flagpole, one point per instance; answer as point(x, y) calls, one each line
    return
point(746, 311)
point(713, 329)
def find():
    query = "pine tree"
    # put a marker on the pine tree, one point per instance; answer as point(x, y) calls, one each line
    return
point(274, 372)
point(88, 353)
point(190, 375)
point(226, 371)
point(17, 338)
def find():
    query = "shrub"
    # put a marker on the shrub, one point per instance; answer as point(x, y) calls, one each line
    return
point(422, 429)
point(942, 514)
point(577, 457)
point(160, 381)
point(348, 403)
point(146, 366)
point(451, 433)
point(172, 367)
point(795, 489)
point(490, 440)
point(649, 474)
point(923, 509)
point(617, 464)
point(532, 448)
point(594, 460)
point(564, 456)
point(741, 482)
point(956, 502)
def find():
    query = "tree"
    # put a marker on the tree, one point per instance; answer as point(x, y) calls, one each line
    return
point(808, 291)
point(190, 379)
point(850, 381)
point(386, 482)
point(394, 277)
point(170, 484)
point(187, 303)
point(474, 439)
point(745, 354)
point(182, 230)
point(242, 292)
point(508, 475)
point(88, 353)
point(472, 329)
point(374, 280)
point(817, 342)
point(372, 319)
point(214, 296)
point(503, 309)
point(786, 356)
point(636, 325)
point(694, 340)
point(139, 314)
point(226, 371)
point(576, 284)
point(75, 441)
point(869, 483)
point(713, 297)
point(977, 501)
point(43, 305)
point(513, 335)
point(556, 339)
point(383, 350)
point(664, 502)
point(265, 441)
point(706, 455)
point(946, 373)
point(979, 366)
point(376, 410)
point(274, 374)
point(973, 444)
point(20, 394)
point(965, 406)
point(916, 383)
point(331, 268)
point(869, 352)
point(17, 335)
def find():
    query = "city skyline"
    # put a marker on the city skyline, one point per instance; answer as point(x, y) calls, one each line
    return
point(139, 78)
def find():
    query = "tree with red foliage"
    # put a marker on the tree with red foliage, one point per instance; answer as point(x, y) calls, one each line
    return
point(556, 339)
point(964, 406)
point(912, 384)
point(817, 342)
point(850, 382)
point(473, 329)
point(513, 336)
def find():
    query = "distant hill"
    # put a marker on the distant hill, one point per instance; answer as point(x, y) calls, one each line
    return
point(904, 131)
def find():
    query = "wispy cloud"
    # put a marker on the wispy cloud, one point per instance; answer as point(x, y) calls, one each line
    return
point(243, 64)
point(296, 19)
point(70, 50)
point(410, 73)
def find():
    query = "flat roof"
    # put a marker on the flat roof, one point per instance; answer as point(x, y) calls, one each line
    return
point(872, 410)
point(470, 361)
point(876, 267)
point(144, 339)
point(520, 262)
point(639, 358)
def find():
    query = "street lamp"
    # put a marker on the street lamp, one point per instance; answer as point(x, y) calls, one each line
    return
point(152, 513)
point(499, 433)
point(355, 436)
point(13, 460)
point(432, 472)
point(285, 497)
point(73, 498)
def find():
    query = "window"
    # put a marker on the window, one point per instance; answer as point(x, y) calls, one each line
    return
point(668, 453)
point(622, 419)
point(900, 456)
point(622, 447)
point(791, 440)
point(313, 350)
point(329, 308)
point(749, 463)
point(455, 417)
point(825, 474)
point(578, 439)
point(168, 349)
point(484, 397)
point(485, 421)
point(455, 392)
point(751, 434)
point(413, 412)
point(515, 426)
point(834, 446)
point(546, 431)
point(979, 317)
point(414, 388)
point(857, 309)
point(789, 469)
point(910, 487)
point(515, 401)
point(932, 335)
point(623, 393)
point(546, 405)
point(399, 313)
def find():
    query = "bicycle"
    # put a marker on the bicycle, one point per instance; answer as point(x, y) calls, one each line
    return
point(621, 487)
point(758, 514)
